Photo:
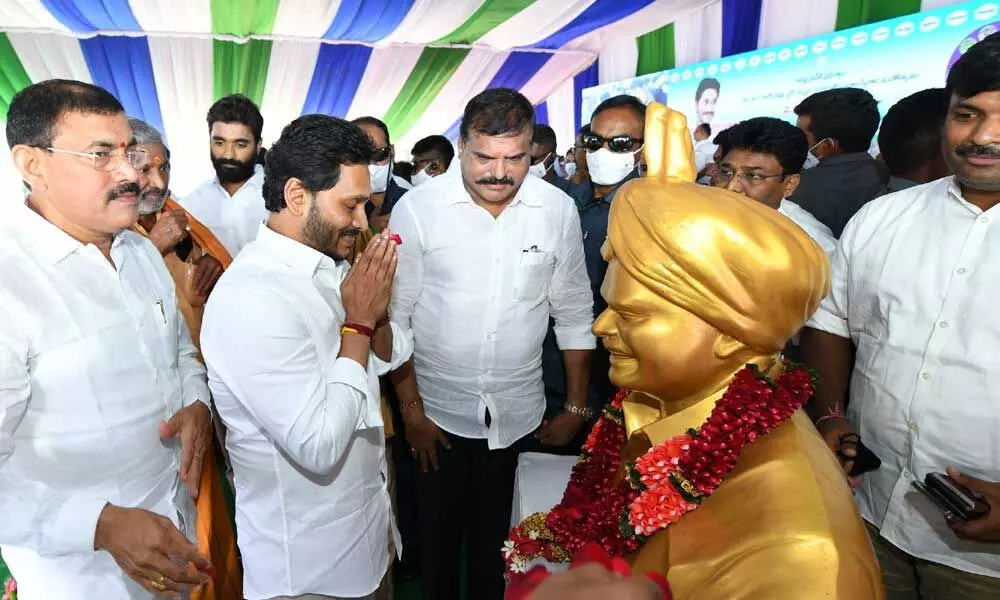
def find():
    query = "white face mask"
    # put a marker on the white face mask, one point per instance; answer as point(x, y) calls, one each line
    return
point(420, 176)
point(570, 169)
point(378, 175)
point(811, 160)
point(540, 169)
point(609, 168)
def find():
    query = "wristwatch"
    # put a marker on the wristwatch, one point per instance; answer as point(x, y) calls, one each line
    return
point(584, 412)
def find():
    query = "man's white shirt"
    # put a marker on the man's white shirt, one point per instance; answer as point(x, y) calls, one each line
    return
point(93, 357)
point(477, 292)
point(819, 232)
point(914, 285)
point(304, 427)
point(234, 219)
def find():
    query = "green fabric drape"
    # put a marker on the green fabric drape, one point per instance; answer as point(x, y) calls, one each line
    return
point(489, 15)
point(241, 68)
point(656, 51)
point(243, 17)
point(853, 13)
point(13, 79)
point(433, 70)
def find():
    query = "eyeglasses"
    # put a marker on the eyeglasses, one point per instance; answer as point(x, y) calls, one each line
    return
point(618, 144)
point(381, 154)
point(724, 176)
point(104, 160)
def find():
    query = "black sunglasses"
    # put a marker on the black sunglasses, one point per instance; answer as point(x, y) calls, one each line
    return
point(617, 144)
point(381, 154)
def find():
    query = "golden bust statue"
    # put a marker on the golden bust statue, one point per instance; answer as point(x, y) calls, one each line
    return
point(700, 283)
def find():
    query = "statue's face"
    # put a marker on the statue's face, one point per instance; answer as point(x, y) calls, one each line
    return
point(656, 347)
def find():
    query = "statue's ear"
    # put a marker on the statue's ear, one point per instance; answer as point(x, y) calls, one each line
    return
point(727, 346)
point(668, 148)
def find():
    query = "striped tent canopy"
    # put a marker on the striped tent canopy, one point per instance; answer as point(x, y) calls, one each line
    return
point(412, 63)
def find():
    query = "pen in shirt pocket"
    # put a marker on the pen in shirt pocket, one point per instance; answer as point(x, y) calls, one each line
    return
point(163, 312)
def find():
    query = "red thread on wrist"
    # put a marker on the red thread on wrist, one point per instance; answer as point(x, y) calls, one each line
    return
point(363, 330)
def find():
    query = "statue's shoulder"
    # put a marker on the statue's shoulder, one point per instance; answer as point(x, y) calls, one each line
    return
point(782, 525)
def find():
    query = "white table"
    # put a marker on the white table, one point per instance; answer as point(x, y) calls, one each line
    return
point(540, 483)
point(539, 486)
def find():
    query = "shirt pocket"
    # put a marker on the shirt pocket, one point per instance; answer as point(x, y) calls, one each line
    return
point(533, 275)
point(160, 323)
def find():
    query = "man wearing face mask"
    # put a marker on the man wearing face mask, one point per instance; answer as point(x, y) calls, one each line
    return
point(231, 205)
point(580, 173)
point(488, 254)
point(839, 125)
point(543, 161)
point(431, 157)
point(387, 188)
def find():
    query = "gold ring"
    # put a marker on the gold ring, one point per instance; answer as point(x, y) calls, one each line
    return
point(158, 583)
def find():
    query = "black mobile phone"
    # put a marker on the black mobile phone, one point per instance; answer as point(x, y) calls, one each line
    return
point(955, 500)
point(865, 461)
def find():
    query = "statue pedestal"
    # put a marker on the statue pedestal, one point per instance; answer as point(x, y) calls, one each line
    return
point(540, 483)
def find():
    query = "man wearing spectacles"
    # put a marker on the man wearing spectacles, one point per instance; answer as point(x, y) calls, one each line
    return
point(104, 421)
point(763, 161)
point(387, 188)
point(232, 204)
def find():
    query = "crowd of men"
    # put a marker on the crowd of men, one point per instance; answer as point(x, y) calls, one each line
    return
point(370, 342)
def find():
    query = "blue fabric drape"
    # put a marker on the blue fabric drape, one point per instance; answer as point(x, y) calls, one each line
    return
point(583, 80)
point(542, 114)
point(597, 15)
point(367, 20)
point(740, 25)
point(84, 16)
point(516, 70)
point(338, 72)
point(122, 66)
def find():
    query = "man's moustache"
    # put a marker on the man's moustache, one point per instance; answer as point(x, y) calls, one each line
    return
point(977, 150)
point(496, 181)
point(129, 187)
point(349, 232)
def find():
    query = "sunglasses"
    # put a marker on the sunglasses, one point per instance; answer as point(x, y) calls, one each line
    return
point(381, 154)
point(617, 144)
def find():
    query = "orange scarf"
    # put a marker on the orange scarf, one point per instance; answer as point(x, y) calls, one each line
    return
point(216, 538)
point(202, 235)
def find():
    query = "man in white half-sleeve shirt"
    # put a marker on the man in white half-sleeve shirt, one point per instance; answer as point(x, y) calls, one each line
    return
point(762, 160)
point(487, 255)
point(907, 346)
point(232, 204)
point(295, 343)
point(103, 421)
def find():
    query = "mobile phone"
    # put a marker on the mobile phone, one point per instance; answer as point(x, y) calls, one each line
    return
point(956, 501)
point(865, 461)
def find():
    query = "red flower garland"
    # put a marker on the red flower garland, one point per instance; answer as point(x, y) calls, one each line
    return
point(667, 482)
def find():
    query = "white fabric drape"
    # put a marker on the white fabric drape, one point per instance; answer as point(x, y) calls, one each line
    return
point(30, 14)
point(50, 56)
point(931, 4)
point(553, 73)
point(698, 35)
point(535, 23)
point(289, 74)
point(430, 20)
point(385, 75)
point(618, 61)
point(183, 71)
point(304, 18)
point(651, 17)
point(173, 16)
point(471, 77)
point(562, 115)
point(783, 21)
